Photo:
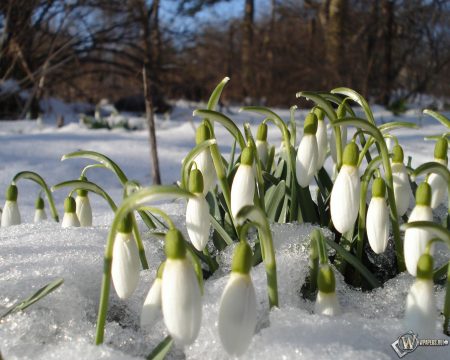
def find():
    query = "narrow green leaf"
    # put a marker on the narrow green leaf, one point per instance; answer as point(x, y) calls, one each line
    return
point(439, 117)
point(215, 95)
point(220, 230)
point(358, 98)
point(161, 350)
point(274, 201)
point(397, 125)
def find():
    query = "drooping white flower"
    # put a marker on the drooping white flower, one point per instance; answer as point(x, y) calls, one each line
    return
point(197, 212)
point(377, 222)
point(84, 210)
point(326, 302)
point(204, 160)
point(345, 195)
point(416, 240)
point(237, 309)
point(39, 213)
point(262, 147)
point(151, 309)
point(243, 187)
point(11, 214)
point(126, 264)
point(307, 153)
point(438, 184)
point(322, 139)
point(400, 178)
point(70, 218)
point(180, 292)
point(421, 310)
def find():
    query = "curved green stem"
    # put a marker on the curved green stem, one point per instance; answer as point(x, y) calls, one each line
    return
point(91, 166)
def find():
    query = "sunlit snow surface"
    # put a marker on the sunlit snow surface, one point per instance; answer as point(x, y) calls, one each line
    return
point(62, 325)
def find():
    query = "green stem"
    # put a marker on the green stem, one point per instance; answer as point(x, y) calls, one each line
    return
point(140, 245)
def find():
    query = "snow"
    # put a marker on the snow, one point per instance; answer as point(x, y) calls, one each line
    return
point(62, 325)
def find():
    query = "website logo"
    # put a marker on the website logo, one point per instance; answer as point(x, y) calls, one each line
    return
point(409, 342)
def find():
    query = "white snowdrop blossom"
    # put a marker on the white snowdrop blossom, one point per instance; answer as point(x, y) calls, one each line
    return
point(400, 178)
point(262, 147)
point(243, 187)
point(83, 208)
point(39, 213)
point(180, 292)
point(438, 184)
point(204, 160)
point(421, 309)
point(377, 222)
point(11, 214)
point(151, 310)
point(307, 153)
point(345, 195)
point(126, 264)
point(416, 240)
point(197, 212)
point(237, 309)
point(70, 218)
point(322, 143)
point(326, 302)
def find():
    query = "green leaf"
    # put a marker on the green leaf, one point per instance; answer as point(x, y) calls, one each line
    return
point(439, 117)
point(102, 159)
point(30, 175)
point(215, 95)
point(225, 121)
point(433, 167)
point(274, 200)
point(397, 125)
point(358, 98)
point(38, 295)
point(321, 102)
point(293, 125)
point(220, 230)
point(160, 351)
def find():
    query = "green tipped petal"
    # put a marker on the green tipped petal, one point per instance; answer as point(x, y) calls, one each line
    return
point(196, 181)
point(69, 205)
point(262, 132)
point(440, 149)
point(319, 113)
point(425, 267)
point(378, 188)
point(159, 272)
point(247, 156)
point(310, 126)
point(326, 280)
point(12, 193)
point(423, 194)
point(397, 156)
point(242, 258)
point(39, 204)
point(126, 225)
point(175, 246)
point(202, 133)
point(82, 192)
point(351, 154)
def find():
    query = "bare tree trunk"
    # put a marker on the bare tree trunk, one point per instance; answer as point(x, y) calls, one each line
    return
point(388, 15)
point(247, 42)
point(370, 49)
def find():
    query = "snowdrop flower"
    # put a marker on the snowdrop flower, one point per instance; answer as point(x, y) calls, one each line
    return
point(180, 292)
point(378, 218)
point(307, 153)
point(11, 214)
point(70, 217)
point(84, 210)
point(197, 212)
point(400, 178)
point(344, 201)
point(243, 187)
point(152, 304)
point(416, 240)
point(39, 214)
point(125, 266)
point(322, 139)
point(327, 302)
point(204, 160)
point(420, 312)
point(262, 147)
point(437, 182)
point(237, 310)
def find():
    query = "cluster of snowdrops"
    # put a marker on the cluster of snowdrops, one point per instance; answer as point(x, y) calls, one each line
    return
point(259, 185)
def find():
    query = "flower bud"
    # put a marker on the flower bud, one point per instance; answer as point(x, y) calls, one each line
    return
point(326, 302)
point(39, 214)
point(441, 148)
point(11, 214)
point(70, 218)
point(243, 186)
point(377, 222)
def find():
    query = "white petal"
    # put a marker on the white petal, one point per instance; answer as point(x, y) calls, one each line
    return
point(237, 314)
point(84, 210)
point(39, 215)
point(125, 265)
point(206, 166)
point(181, 301)
point(197, 221)
point(420, 312)
point(438, 190)
point(70, 220)
point(306, 162)
point(10, 214)
point(377, 224)
point(344, 202)
point(402, 188)
point(327, 304)
point(322, 143)
point(263, 151)
point(242, 189)
point(152, 305)
point(416, 239)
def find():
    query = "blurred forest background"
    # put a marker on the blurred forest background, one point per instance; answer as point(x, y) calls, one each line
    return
point(86, 50)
